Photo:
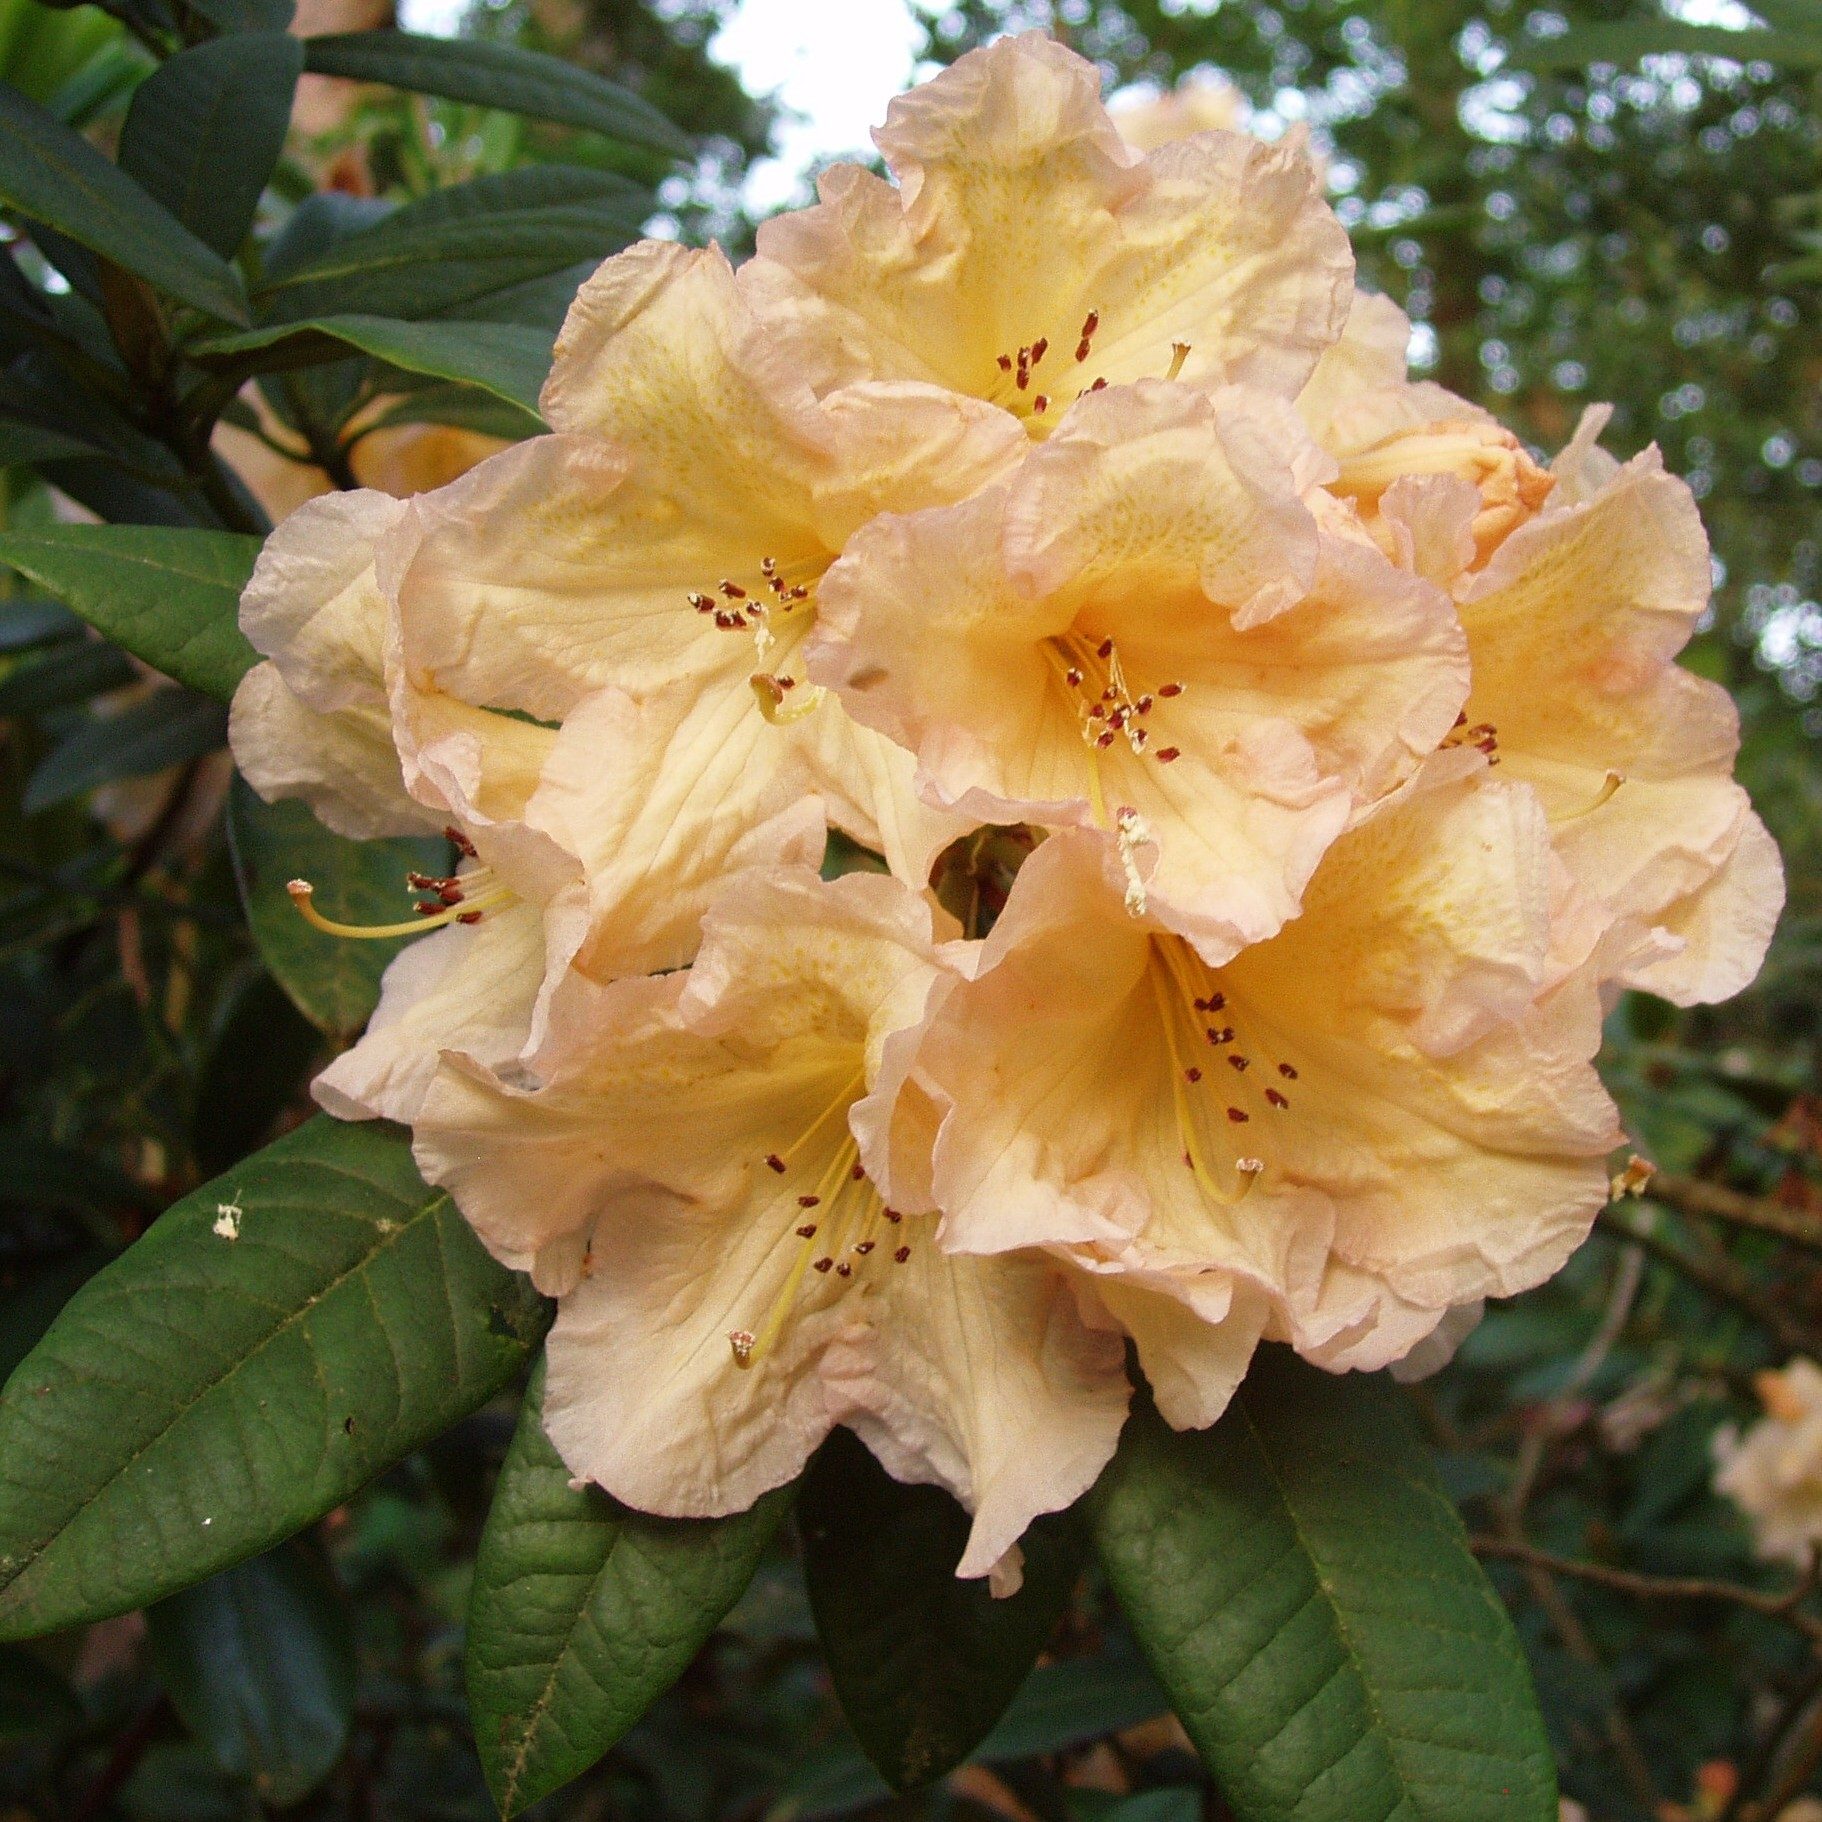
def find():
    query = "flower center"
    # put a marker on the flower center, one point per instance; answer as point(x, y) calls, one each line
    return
point(1107, 707)
point(456, 898)
point(1020, 389)
point(1483, 734)
point(1213, 1083)
point(839, 1223)
point(776, 608)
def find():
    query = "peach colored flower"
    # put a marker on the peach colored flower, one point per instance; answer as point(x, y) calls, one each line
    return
point(706, 1171)
point(1774, 1472)
point(1148, 631)
point(1384, 1113)
point(569, 835)
point(1026, 252)
point(1577, 587)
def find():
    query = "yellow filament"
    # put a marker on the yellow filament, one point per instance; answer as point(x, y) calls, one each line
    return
point(1179, 353)
point(1097, 795)
point(829, 1194)
point(1186, 1125)
point(301, 891)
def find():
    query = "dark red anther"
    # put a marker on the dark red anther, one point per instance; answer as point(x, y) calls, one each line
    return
point(903, 1253)
point(1238, 1116)
point(775, 1162)
point(1192, 1074)
point(808, 1201)
point(823, 1265)
point(1276, 1099)
point(1165, 755)
point(807, 1231)
point(1285, 1070)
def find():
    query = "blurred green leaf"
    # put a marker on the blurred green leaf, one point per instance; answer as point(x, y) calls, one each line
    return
point(463, 243)
point(496, 75)
point(169, 728)
point(333, 982)
point(66, 674)
point(253, 1071)
point(26, 623)
point(1304, 1590)
point(171, 597)
point(259, 1662)
point(53, 175)
point(507, 359)
point(206, 127)
point(924, 1663)
point(21, 442)
point(584, 1612)
point(246, 15)
point(273, 1341)
point(1060, 1706)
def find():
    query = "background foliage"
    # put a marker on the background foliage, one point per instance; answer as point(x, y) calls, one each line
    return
point(1567, 218)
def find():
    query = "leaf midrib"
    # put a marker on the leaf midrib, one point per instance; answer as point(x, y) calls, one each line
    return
point(1408, 1802)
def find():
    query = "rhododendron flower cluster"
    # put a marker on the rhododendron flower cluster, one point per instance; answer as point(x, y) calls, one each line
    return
point(1270, 772)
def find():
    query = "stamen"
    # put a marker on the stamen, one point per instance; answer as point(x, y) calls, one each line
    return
point(1179, 353)
point(461, 911)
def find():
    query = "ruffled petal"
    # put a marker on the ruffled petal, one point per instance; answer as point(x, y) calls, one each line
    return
point(1386, 1110)
point(1631, 755)
point(466, 987)
point(1146, 631)
point(343, 764)
point(978, 1375)
point(313, 604)
point(1018, 213)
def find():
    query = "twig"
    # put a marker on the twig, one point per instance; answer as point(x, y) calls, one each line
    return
point(1773, 1746)
point(1786, 1606)
point(1694, 1197)
point(1553, 1422)
point(1556, 1416)
point(1720, 1281)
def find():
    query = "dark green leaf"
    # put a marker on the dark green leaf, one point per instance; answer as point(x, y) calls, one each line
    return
point(55, 176)
point(259, 1662)
point(1304, 1590)
point(23, 442)
point(507, 359)
point(1060, 1706)
point(252, 1073)
point(464, 243)
point(273, 1341)
point(333, 982)
point(1626, 41)
point(923, 1662)
point(247, 15)
point(68, 673)
point(26, 622)
point(169, 596)
point(584, 1612)
point(461, 407)
point(206, 127)
point(1063, 1705)
point(170, 727)
point(496, 76)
